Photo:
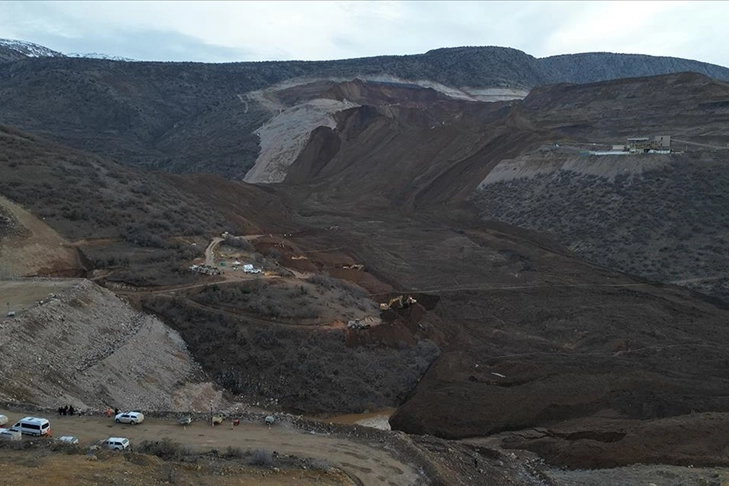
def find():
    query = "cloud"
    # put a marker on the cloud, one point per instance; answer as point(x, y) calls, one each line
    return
point(283, 30)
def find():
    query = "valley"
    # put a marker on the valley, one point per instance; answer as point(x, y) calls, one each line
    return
point(567, 310)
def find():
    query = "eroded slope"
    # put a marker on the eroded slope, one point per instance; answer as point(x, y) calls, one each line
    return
point(85, 347)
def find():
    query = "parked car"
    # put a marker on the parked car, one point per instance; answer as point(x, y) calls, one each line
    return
point(130, 418)
point(68, 439)
point(116, 443)
point(7, 434)
point(33, 426)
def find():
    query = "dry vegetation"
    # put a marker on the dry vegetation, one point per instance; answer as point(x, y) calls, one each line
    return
point(295, 368)
point(88, 197)
point(313, 298)
point(157, 463)
point(668, 224)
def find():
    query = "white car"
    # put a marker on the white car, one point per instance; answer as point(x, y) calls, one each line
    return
point(68, 439)
point(131, 418)
point(116, 443)
point(7, 434)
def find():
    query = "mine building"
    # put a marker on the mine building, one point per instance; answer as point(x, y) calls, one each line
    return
point(658, 143)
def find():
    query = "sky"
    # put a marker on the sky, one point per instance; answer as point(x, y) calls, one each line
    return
point(280, 30)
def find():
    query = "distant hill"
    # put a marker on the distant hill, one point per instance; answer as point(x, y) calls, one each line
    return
point(13, 50)
point(592, 67)
point(196, 117)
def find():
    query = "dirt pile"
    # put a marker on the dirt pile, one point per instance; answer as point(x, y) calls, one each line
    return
point(84, 346)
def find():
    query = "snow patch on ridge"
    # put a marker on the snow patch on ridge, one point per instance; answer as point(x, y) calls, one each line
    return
point(29, 49)
point(99, 55)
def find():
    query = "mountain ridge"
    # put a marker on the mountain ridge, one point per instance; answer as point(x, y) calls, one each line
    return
point(536, 70)
point(203, 117)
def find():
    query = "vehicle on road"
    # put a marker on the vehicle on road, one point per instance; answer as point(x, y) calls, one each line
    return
point(116, 443)
point(32, 426)
point(7, 434)
point(131, 418)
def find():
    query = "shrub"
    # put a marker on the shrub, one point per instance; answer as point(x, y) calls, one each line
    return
point(165, 449)
point(261, 457)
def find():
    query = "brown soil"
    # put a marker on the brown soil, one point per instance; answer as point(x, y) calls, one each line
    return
point(602, 441)
point(530, 336)
point(35, 249)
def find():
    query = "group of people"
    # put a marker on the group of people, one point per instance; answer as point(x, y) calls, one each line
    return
point(67, 410)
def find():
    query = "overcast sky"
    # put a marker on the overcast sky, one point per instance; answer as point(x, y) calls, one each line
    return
point(258, 31)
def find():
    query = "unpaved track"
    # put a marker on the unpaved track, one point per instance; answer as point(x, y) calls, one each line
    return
point(370, 463)
point(20, 295)
point(210, 252)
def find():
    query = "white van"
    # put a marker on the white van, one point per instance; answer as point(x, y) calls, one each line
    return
point(33, 426)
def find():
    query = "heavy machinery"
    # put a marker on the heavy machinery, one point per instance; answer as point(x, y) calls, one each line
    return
point(398, 303)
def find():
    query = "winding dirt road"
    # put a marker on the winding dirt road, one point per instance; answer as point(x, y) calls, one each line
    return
point(369, 462)
point(210, 251)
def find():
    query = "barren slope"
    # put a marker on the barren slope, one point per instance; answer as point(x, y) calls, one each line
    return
point(87, 348)
point(30, 247)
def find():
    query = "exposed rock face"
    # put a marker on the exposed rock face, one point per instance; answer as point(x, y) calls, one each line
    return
point(88, 348)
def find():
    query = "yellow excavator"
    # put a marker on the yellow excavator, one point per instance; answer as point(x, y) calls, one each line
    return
point(398, 302)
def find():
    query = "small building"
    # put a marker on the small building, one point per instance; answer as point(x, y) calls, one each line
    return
point(658, 143)
point(638, 144)
point(663, 142)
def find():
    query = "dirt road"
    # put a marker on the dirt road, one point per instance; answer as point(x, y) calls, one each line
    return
point(210, 251)
point(22, 294)
point(366, 461)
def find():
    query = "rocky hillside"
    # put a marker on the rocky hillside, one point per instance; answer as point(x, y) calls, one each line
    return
point(511, 331)
point(83, 346)
point(193, 117)
point(659, 216)
point(592, 67)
